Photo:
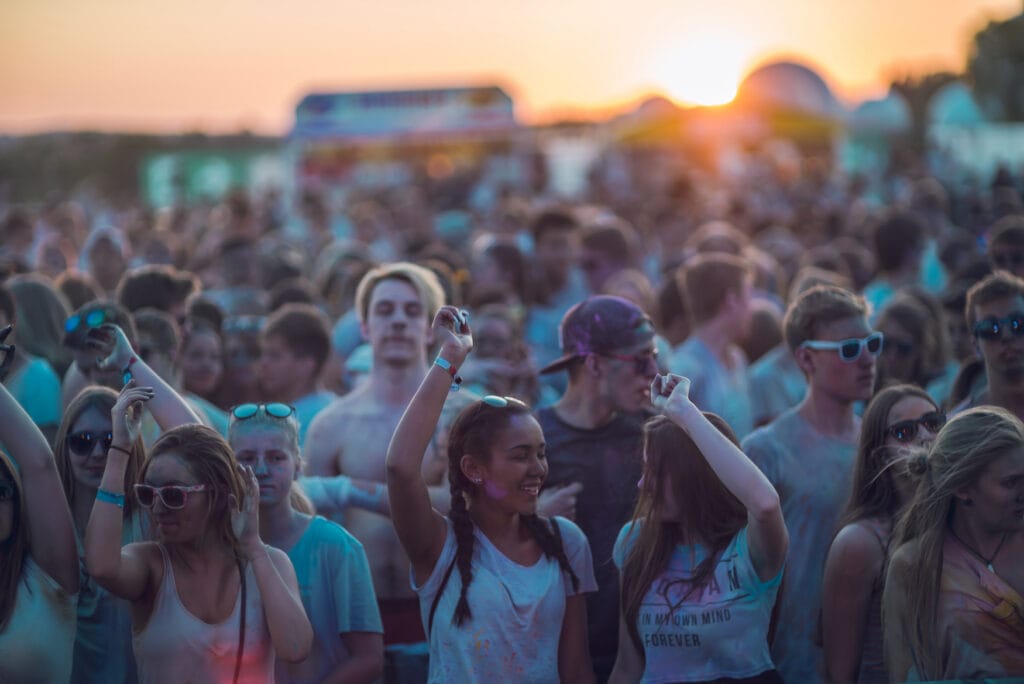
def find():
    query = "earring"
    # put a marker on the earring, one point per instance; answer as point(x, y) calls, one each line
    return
point(477, 481)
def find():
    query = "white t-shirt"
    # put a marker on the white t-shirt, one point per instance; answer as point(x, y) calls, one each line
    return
point(517, 612)
point(718, 632)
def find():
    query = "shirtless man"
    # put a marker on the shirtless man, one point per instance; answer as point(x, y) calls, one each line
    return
point(395, 303)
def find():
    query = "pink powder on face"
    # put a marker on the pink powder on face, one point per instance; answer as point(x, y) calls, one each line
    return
point(494, 491)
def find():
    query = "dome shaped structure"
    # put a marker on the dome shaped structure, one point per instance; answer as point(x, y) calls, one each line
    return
point(888, 115)
point(788, 86)
point(954, 105)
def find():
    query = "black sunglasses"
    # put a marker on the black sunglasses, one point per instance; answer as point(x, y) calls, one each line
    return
point(273, 409)
point(905, 431)
point(991, 328)
point(83, 443)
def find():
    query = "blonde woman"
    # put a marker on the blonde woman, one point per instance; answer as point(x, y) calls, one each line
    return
point(953, 606)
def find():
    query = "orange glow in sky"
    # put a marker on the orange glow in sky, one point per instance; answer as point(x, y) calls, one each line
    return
point(225, 65)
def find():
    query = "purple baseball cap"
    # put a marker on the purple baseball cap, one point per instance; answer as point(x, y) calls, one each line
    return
point(601, 324)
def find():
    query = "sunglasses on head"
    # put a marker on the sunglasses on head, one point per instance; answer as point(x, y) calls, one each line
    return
point(273, 409)
point(93, 319)
point(992, 328)
point(906, 430)
point(7, 490)
point(500, 402)
point(173, 497)
point(83, 443)
point(641, 362)
point(851, 349)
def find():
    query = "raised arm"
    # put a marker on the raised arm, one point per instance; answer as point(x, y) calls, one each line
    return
point(122, 571)
point(167, 406)
point(766, 530)
point(421, 529)
point(51, 532)
point(289, 627)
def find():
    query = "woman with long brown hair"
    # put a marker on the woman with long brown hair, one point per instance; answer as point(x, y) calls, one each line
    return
point(953, 605)
point(38, 562)
point(702, 559)
point(897, 421)
point(84, 441)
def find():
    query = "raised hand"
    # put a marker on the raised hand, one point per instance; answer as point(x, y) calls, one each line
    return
point(245, 518)
point(670, 393)
point(451, 326)
point(560, 500)
point(126, 415)
point(113, 346)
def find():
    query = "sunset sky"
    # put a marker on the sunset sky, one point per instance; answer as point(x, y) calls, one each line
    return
point(224, 65)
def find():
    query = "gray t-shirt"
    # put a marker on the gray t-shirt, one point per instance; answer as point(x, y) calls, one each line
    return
point(517, 612)
point(811, 472)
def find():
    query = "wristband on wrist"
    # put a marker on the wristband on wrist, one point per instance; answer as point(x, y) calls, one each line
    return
point(447, 366)
point(120, 448)
point(126, 374)
point(104, 496)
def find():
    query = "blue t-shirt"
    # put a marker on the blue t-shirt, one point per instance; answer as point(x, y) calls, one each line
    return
point(337, 593)
point(812, 473)
point(718, 631)
point(308, 406)
point(713, 387)
point(37, 388)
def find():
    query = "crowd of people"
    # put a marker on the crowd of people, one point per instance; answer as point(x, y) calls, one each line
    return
point(699, 430)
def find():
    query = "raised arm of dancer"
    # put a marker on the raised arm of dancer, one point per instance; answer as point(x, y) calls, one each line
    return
point(51, 533)
point(766, 529)
point(122, 571)
point(169, 408)
point(289, 627)
point(421, 529)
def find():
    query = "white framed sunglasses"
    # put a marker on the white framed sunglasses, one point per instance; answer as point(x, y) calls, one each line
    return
point(851, 349)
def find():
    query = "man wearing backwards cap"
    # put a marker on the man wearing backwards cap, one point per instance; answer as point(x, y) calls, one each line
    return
point(593, 436)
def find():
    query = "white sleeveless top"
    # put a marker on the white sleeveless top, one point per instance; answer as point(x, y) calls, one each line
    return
point(175, 646)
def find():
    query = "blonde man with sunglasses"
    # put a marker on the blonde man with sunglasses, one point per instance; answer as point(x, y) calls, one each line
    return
point(808, 452)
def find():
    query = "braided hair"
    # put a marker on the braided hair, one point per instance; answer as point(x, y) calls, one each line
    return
point(472, 432)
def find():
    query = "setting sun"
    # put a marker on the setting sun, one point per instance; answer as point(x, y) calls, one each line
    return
point(704, 70)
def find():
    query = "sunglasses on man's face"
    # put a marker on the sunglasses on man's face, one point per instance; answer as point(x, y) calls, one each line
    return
point(83, 443)
point(1008, 260)
point(905, 431)
point(992, 327)
point(851, 349)
point(273, 409)
point(173, 497)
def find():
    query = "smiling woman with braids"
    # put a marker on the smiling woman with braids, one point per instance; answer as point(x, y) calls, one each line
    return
point(500, 588)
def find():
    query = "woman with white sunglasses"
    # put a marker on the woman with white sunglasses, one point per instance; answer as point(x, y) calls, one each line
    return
point(209, 601)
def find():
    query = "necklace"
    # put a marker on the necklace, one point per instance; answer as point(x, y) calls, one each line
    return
point(987, 561)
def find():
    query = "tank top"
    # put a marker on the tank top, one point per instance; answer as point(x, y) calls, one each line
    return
point(175, 646)
point(872, 661)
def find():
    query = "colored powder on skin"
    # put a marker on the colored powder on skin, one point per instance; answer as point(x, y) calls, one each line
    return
point(494, 491)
